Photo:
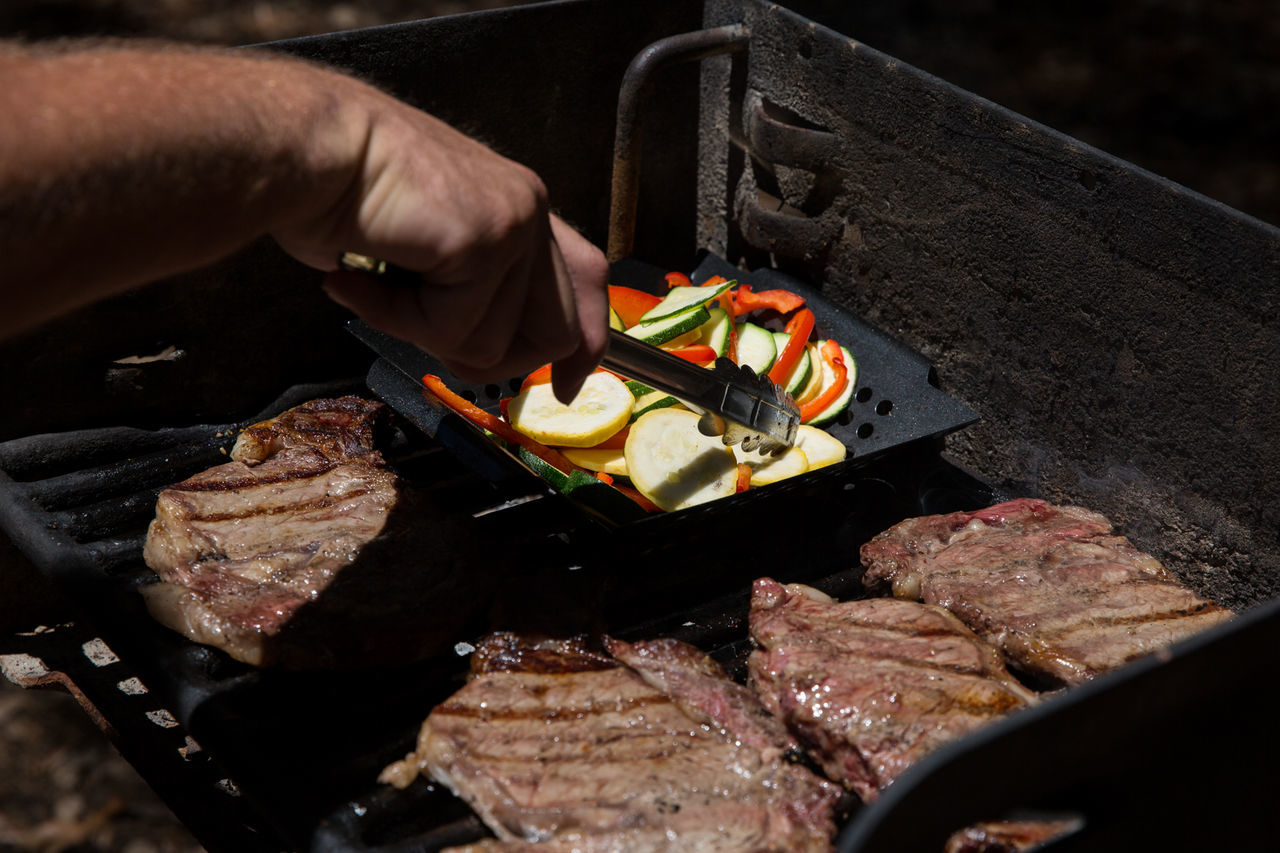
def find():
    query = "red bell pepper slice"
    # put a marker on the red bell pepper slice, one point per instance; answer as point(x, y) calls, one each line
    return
point(541, 376)
point(677, 279)
point(631, 304)
point(799, 328)
point(834, 356)
point(783, 301)
point(695, 352)
point(495, 424)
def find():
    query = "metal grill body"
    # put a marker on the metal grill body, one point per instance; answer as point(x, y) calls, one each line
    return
point(1109, 326)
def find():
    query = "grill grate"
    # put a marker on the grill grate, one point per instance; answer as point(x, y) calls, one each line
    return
point(289, 759)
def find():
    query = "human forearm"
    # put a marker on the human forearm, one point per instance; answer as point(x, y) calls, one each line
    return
point(131, 163)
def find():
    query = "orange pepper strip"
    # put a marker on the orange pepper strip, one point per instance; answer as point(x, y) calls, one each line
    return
point(724, 300)
point(604, 478)
point(744, 477)
point(541, 376)
point(646, 504)
point(799, 328)
point(631, 304)
point(495, 424)
point(617, 441)
point(677, 279)
point(833, 356)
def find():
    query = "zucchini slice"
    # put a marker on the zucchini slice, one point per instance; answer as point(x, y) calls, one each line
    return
point(715, 332)
point(756, 348)
point(674, 465)
point(652, 400)
point(557, 478)
point(669, 328)
point(681, 299)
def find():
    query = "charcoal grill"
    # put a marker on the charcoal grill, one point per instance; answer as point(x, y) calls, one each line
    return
point(1110, 326)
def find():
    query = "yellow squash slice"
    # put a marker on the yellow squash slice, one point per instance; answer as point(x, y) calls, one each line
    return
point(674, 465)
point(766, 469)
point(602, 407)
point(611, 462)
point(820, 447)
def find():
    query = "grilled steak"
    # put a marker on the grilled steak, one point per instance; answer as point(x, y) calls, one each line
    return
point(287, 555)
point(550, 742)
point(1051, 587)
point(700, 687)
point(872, 686)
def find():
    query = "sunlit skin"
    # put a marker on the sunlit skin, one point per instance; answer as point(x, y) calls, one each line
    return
point(121, 164)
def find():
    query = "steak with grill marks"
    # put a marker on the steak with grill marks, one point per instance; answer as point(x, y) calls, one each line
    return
point(305, 550)
point(700, 687)
point(872, 686)
point(1052, 587)
point(553, 744)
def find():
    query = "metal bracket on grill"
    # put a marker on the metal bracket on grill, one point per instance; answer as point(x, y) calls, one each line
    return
point(769, 222)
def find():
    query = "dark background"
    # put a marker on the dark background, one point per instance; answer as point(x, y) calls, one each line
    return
point(1184, 88)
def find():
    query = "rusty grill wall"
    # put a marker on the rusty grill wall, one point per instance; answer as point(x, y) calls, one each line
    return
point(1117, 332)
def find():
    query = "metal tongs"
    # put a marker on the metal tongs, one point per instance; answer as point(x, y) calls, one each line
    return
point(734, 402)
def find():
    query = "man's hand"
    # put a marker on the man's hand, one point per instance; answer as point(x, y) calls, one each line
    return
point(505, 285)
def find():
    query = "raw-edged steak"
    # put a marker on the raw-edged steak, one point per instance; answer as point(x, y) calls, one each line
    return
point(699, 685)
point(1052, 587)
point(872, 686)
point(551, 742)
point(304, 550)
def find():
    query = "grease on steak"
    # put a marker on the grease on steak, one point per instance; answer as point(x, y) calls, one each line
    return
point(272, 556)
point(554, 744)
point(1051, 587)
point(872, 686)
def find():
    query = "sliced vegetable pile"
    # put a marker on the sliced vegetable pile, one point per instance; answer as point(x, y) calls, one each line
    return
point(620, 443)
